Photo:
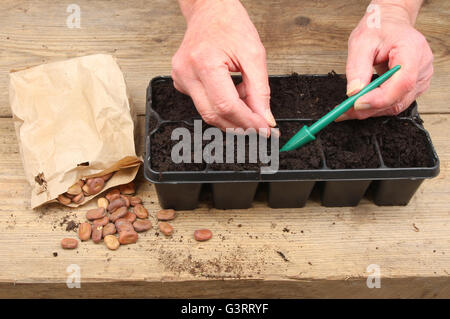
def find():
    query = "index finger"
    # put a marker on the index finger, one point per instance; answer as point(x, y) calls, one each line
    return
point(224, 99)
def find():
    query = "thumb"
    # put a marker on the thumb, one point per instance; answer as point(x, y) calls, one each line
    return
point(394, 90)
point(359, 66)
point(255, 90)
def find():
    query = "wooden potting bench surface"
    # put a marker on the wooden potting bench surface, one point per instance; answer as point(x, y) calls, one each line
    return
point(259, 252)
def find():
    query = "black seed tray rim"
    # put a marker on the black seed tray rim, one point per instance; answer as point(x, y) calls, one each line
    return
point(321, 174)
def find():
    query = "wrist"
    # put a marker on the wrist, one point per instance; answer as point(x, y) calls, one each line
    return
point(190, 7)
point(402, 10)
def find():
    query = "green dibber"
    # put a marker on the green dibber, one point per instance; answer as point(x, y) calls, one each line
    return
point(307, 134)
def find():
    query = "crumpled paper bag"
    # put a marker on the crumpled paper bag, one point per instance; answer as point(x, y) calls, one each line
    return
point(73, 120)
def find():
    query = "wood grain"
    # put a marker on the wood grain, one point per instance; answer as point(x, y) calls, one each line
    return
point(299, 35)
point(327, 250)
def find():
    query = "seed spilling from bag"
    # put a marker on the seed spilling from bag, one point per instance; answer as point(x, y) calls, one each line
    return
point(84, 231)
point(78, 198)
point(140, 211)
point(107, 176)
point(202, 234)
point(95, 185)
point(69, 243)
point(127, 189)
point(166, 228)
point(75, 189)
point(141, 225)
point(165, 214)
point(64, 200)
point(111, 242)
point(95, 213)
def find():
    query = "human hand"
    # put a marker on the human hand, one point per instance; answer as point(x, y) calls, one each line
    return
point(220, 38)
point(394, 42)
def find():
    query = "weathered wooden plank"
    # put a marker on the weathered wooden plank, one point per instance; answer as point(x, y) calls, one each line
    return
point(328, 250)
point(301, 36)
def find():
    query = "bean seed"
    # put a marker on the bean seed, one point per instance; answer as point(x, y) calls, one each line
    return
point(111, 242)
point(64, 200)
point(75, 189)
point(101, 221)
point(69, 243)
point(107, 176)
point(131, 217)
point(127, 237)
point(118, 213)
point(115, 204)
point(84, 231)
point(102, 202)
point(97, 233)
point(140, 211)
point(126, 199)
point(165, 214)
point(202, 234)
point(134, 200)
point(109, 229)
point(127, 189)
point(68, 195)
point(141, 225)
point(85, 189)
point(166, 228)
point(123, 225)
point(111, 193)
point(95, 185)
point(95, 213)
point(78, 199)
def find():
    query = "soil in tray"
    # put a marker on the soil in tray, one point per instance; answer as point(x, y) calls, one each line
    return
point(161, 150)
point(350, 144)
point(306, 157)
point(403, 144)
point(308, 97)
point(170, 104)
point(173, 105)
point(292, 97)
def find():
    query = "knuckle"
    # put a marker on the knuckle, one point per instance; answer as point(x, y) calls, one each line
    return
point(355, 36)
point(223, 108)
point(409, 83)
point(257, 51)
point(177, 66)
point(397, 108)
point(210, 118)
point(360, 116)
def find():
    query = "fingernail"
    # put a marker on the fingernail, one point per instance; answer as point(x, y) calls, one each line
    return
point(354, 87)
point(343, 117)
point(362, 106)
point(270, 119)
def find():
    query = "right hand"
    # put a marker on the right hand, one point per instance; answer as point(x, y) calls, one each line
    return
point(220, 38)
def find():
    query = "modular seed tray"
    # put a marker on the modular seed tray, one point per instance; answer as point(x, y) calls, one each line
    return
point(385, 180)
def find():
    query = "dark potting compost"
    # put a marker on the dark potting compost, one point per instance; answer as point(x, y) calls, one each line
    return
point(392, 155)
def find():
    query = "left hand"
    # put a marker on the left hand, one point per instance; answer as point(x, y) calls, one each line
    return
point(396, 41)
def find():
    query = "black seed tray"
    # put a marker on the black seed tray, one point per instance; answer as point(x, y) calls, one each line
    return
point(286, 188)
